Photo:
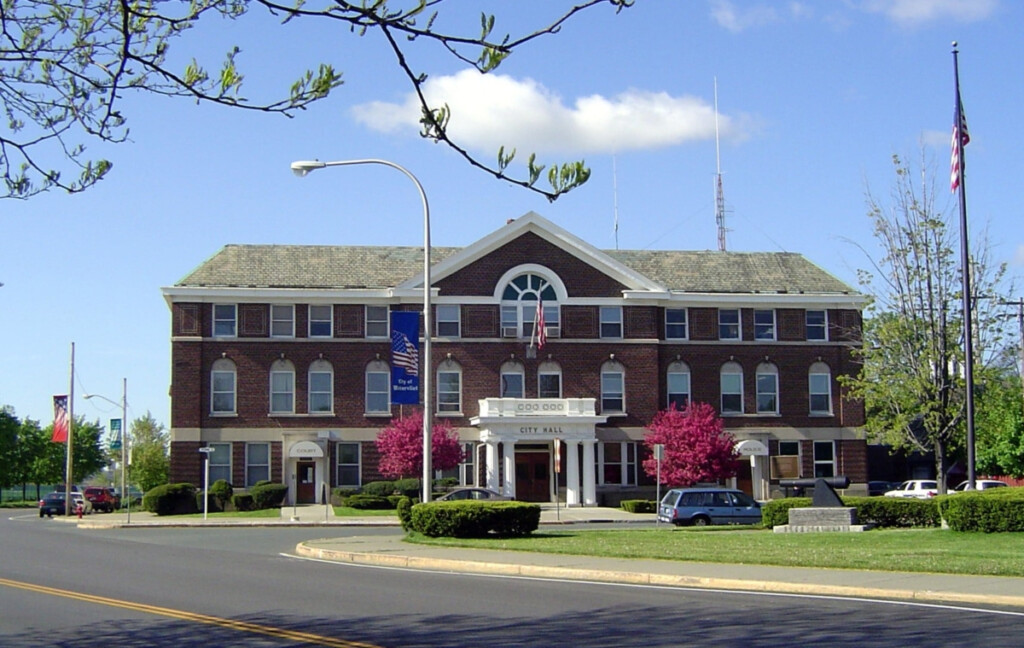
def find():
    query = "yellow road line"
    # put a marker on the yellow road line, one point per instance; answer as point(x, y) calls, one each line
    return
point(243, 626)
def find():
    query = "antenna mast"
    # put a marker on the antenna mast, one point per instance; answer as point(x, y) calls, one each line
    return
point(615, 200)
point(719, 193)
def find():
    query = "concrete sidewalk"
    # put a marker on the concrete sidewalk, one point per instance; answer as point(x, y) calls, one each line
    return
point(393, 551)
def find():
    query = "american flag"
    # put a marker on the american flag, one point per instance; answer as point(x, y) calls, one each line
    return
point(404, 353)
point(60, 419)
point(542, 334)
point(959, 130)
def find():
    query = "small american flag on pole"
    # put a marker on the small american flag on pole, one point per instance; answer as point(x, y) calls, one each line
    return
point(542, 335)
point(404, 354)
point(960, 139)
point(60, 419)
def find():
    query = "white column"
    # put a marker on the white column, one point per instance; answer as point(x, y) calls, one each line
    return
point(589, 476)
point(491, 459)
point(509, 448)
point(572, 473)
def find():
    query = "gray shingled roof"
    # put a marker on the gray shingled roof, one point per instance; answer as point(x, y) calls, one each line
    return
point(355, 267)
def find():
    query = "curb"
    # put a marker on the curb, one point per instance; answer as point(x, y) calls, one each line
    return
point(640, 578)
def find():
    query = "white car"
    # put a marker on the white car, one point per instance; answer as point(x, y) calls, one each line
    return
point(917, 488)
point(981, 484)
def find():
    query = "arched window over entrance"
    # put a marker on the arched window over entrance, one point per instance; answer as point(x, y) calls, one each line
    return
point(519, 306)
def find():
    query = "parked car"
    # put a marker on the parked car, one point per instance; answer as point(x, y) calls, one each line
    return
point(704, 506)
point(78, 499)
point(917, 488)
point(102, 498)
point(980, 484)
point(52, 504)
point(881, 487)
point(472, 494)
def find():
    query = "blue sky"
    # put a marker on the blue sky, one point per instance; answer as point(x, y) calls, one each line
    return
point(814, 98)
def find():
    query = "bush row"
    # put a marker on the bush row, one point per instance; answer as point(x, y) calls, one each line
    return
point(469, 518)
point(639, 506)
point(179, 499)
point(989, 511)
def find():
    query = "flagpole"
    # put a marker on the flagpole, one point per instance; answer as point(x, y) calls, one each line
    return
point(959, 130)
point(68, 473)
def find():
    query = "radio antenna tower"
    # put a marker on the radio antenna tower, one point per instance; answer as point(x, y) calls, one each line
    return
point(719, 193)
point(615, 201)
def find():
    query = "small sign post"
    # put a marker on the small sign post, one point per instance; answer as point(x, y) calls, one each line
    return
point(206, 478)
point(659, 452)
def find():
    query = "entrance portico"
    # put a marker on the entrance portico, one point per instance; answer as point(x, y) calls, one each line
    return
point(531, 431)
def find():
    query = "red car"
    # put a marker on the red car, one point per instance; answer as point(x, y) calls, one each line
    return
point(103, 499)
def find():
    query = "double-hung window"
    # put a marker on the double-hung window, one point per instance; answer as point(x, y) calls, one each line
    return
point(257, 463)
point(321, 387)
point(321, 320)
point(225, 320)
point(728, 324)
point(513, 379)
point(675, 323)
point(448, 320)
point(282, 387)
point(282, 320)
point(731, 387)
point(611, 322)
point(549, 380)
point(819, 384)
point(816, 325)
point(378, 388)
point(824, 459)
point(377, 322)
point(613, 388)
point(678, 380)
point(219, 462)
point(449, 389)
point(764, 325)
point(767, 389)
point(223, 379)
point(348, 470)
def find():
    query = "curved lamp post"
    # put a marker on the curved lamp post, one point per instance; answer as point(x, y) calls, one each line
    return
point(304, 167)
point(124, 441)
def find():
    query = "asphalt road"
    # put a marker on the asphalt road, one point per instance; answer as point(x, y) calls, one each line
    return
point(226, 587)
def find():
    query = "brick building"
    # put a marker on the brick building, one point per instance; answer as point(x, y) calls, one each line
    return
point(281, 362)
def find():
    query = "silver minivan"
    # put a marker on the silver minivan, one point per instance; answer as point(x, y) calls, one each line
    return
point(704, 506)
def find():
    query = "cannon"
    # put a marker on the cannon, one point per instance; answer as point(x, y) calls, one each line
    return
point(824, 488)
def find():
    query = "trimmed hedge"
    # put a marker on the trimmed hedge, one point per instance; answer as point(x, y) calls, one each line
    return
point(404, 509)
point(378, 488)
point(891, 512)
point(368, 502)
point(170, 499)
point(268, 495)
point(474, 519)
point(639, 506)
point(243, 502)
point(989, 511)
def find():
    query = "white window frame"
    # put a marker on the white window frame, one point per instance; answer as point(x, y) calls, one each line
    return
point(512, 370)
point(764, 331)
point(730, 369)
point(678, 369)
point(374, 396)
point(251, 479)
point(449, 402)
point(320, 368)
point(464, 472)
point(547, 369)
point(675, 326)
point(376, 322)
point(823, 325)
point(519, 305)
point(282, 320)
point(766, 381)
point(829, 462)
point(724, 326)
point(320, 319)
point(819, 372)
point(223, 368)
point(611, 373)
point(449, 320)
point(627, 462)
point(222, 320)
point(611, 326)
point(220, 469)
point(338, 465)
point(282, 370)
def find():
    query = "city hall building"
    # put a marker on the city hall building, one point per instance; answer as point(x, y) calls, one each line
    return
point(282, 362)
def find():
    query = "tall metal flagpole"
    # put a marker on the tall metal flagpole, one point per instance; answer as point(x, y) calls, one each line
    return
point(960, 137)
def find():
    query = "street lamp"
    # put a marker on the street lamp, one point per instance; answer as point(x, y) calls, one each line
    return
point(124, 441)
point(304, 167)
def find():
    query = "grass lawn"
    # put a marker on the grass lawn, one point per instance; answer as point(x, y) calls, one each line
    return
point(263, 513)
point(911, 550)
point(347, 511)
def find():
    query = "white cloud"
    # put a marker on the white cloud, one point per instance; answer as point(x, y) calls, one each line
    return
point(488, 111)
point(727, 15)
point(913, 12)
point(1018, 258)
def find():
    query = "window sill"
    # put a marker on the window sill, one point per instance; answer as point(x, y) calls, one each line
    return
point(320, 414)
point(282, 415)
point(821, 415)
point(224, 414)
point(458, 414)
point(377, 415)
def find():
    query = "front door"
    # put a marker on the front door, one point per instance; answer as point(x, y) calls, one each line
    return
point(533, 477)
point(306, 487)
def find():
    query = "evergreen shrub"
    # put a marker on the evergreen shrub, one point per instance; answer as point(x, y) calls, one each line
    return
point(171, 499)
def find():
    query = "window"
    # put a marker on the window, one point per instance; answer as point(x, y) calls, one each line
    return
point(282, 387)
point(616, 463)
point(321, 320)
point(611, 321)
point(321, 387)
point(513, 378)
point(728, 324)
point(220, 462)
point(377, 322)
point(449, 388)
point(282, 320)
point(819, 386)
point(378, 388)
point(224, 320)
point(257, 463)
point(764, 325)
point(731, 385)
point(222, 387)
point(613, 388)
point(348, 471)
point(824, 459)
point(519, 306)
point(767, 389)
point(678, 385)
point(675, 323)
point(549, 380)
point(464, 471)
point(786, 464)
point(816, 325)
point(448, 320)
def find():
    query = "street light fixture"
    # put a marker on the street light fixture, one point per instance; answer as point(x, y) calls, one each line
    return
point(304, 167)
point(126, 496)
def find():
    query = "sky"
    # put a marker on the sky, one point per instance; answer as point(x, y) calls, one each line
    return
point(814, 99)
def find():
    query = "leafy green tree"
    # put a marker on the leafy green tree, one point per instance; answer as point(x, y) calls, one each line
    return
point(911, 379)
point(66, 66)
point(150, 461)
point(10, 427)
point(1000, 425)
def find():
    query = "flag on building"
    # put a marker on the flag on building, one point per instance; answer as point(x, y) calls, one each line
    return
point(542, 335)
point(60, 419)
point(960, 139)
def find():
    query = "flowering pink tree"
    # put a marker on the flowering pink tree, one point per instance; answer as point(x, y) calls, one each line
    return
point(401, 447)
point(697, 447)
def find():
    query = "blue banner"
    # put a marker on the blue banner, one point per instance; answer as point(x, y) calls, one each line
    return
point(405, 357)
